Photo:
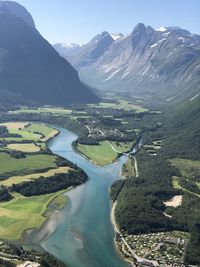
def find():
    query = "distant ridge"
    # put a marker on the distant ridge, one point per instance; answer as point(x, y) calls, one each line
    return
point(163, 63)
point(31, 69)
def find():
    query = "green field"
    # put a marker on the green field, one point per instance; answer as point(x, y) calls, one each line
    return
point(188, 168)
point(21, 212)
point(128, 169)
point(23, 178)
point(24, 213)
point(24, 136)
point(29, 131)
point(120, 104)
point(176, 185)
point(59, 201)
point(103, 154)
point(43, 129)
point(39, 128)
point(30, 147)
point(52, 111)
point(10, 166)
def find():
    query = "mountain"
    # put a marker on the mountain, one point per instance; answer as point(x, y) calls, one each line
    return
point(31, 70)
point(163, 63)
point(183, 129)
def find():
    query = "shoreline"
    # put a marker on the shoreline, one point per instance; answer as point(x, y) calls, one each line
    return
point(48, 214)
point(117, 232)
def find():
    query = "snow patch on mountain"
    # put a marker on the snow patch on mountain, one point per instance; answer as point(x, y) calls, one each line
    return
point(194, 97)
point(161, 29)
point(154, 45)
point(117, 36)
point(112, 75)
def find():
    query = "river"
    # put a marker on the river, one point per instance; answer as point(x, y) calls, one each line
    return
point(81, 235)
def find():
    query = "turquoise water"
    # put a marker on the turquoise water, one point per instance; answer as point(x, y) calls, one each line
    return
point(81, 235)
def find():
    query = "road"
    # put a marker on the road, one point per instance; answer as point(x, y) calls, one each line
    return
point(117, 230)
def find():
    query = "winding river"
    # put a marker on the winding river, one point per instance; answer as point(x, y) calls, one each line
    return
point(81, 235)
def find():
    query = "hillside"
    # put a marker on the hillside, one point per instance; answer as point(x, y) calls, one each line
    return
point(183, 130)
point(31, 69)
point(163, 63)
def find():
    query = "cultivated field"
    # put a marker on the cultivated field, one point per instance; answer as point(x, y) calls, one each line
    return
point(10, 166)
point(120, 104)
point(104, 153)
point(53, 111)
point(30, 147)
point(23, 213)
point(19, 179)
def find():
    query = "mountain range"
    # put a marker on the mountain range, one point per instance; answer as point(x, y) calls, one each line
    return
point(31, 70)
point(164, 63)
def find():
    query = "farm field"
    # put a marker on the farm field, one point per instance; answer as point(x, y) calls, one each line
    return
point(24, 213)
point(52, 111)
point(29, 131)
point(39, 128)
point(30, 147)
point(10, 166)
point(121, 104)
point(104, 153)
point(19, 179)
point(14, 125)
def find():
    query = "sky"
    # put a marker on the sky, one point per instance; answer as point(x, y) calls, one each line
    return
point(78, 21)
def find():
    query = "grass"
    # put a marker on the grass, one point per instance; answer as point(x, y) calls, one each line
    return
point(122, 147)
point(121, 104)
point(52, 111)
point(24, 147)
point(24, 213)
point(30, 131)
point(23, 166)
point(59, 201)
point(43, 129)
point(103, 154)
point(24, 136)
point(21, 212)
point(15, 125)
point(128, 169)
point(19, 179)
point(176, 185)
point(39, 128)
point(188, 168)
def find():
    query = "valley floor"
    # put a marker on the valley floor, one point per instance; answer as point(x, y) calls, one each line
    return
point(157, 230)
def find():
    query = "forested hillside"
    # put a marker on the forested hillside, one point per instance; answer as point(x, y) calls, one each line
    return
point(172, 170)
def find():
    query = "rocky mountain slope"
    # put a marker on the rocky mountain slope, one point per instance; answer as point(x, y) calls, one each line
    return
point(163, 63)
point(31, 71)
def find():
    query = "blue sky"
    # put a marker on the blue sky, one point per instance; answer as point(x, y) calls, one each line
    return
point(77, 21)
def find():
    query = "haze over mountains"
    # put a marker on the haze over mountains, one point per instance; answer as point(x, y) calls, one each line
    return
point(163, 62)
point(31, 71)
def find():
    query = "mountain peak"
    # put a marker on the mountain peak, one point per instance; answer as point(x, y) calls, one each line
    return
point(139, 28)
point(101, 36)
point(18, 11)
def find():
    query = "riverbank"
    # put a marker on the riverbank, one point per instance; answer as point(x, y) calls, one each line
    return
point(105, 154)
point(87, 214)
point(118, 233)
point(50, 218)
point(123, 247)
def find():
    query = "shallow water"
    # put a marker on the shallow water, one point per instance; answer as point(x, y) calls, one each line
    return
point(81, 235)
